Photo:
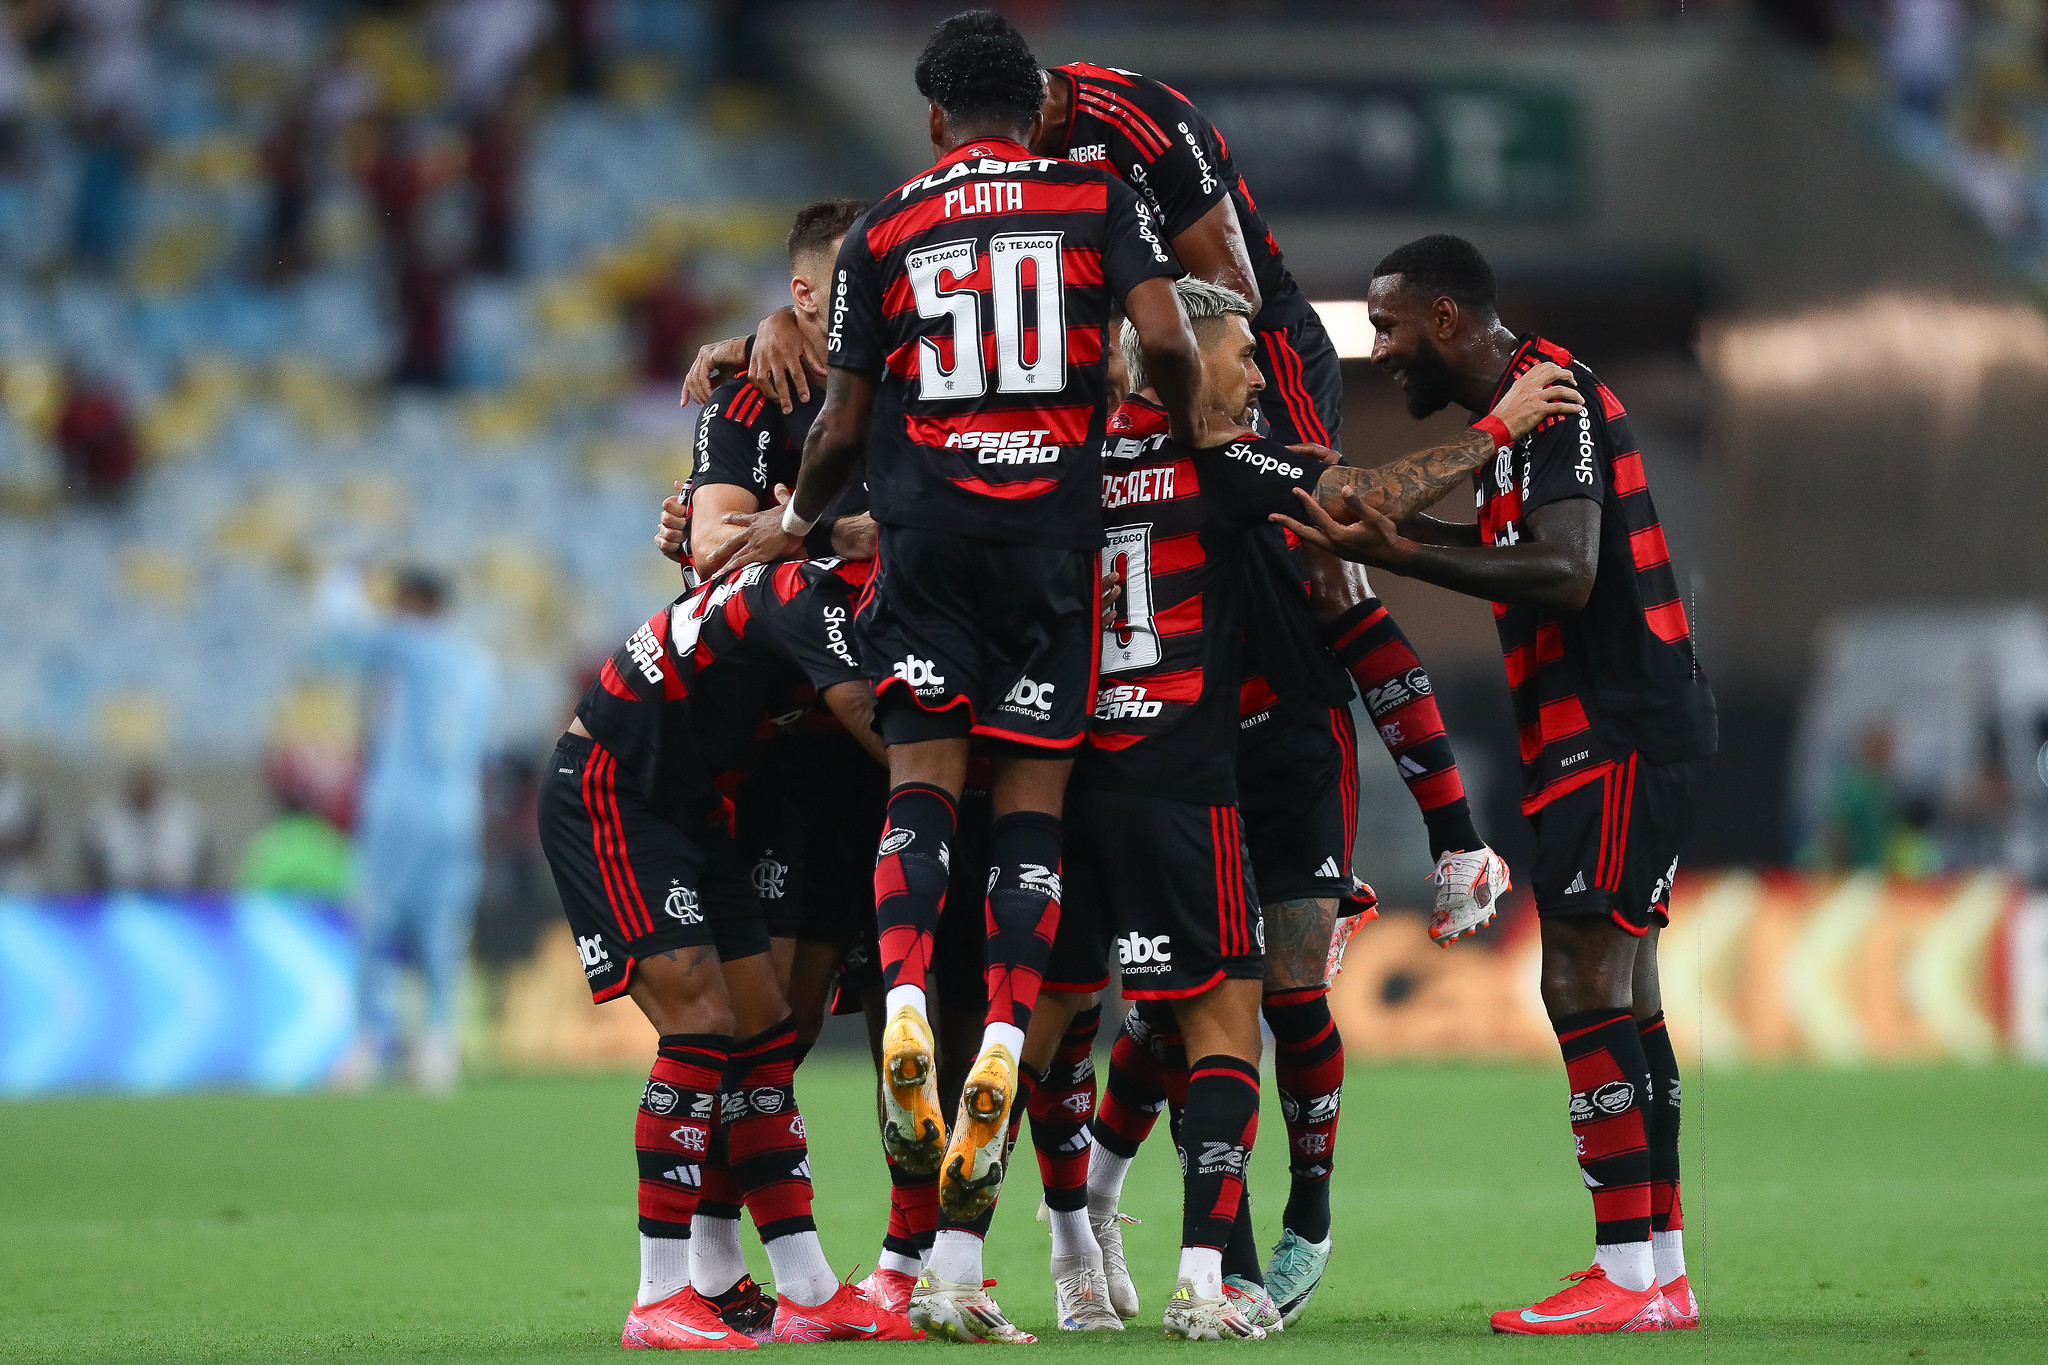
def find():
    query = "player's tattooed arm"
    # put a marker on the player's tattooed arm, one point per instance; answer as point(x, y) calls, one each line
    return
point(1406, 487)
point(1298, 941)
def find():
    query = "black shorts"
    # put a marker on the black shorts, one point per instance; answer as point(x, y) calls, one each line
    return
point(1297, 787)
point(959, 947)
point(806, 822)
point(1611, 846)
point(1304, 397)
point(972, 636)
point(634, 882)
point(1165, 885)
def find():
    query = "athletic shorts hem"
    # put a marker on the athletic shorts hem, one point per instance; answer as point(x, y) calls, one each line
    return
point(1247, 969)
point(1101, 983)
point(1034, 741)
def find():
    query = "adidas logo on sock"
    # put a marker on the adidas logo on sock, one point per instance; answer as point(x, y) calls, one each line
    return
point(1578, 885)
point(1329, 868)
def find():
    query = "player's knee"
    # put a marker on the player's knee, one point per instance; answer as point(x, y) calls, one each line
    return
point(682, 991)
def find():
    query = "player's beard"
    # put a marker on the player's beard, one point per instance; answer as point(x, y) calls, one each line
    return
point(1427, 382)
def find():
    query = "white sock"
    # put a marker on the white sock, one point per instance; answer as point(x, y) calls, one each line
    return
point(1071, 1235)
point(800, 1268)
point(955, 1257)
point(1202, 1267)
point(1009, 1035)
point(899, 1263)
point(1670, 1253)
point(716, 1258)
point(1106, 1171)
point(899, 996)
point(1628, 1264)
point(664, 1267)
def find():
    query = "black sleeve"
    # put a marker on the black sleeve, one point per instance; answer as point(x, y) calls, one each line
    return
point(816, 630)
point(855, 338)
point(1256, 477)
point(1564, 462)
point(1186, 179)
point(1132, 249)
point(730, 451)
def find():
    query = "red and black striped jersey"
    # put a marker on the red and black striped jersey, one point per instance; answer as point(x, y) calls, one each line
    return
point(683, 699)
point(1618, 676)
point(745, 439)
point(1285, 665)
point(1149, 135)
point(977, 295)
point(1179, 524)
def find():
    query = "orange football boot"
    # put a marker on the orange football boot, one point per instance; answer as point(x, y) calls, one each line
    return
point(684, 1321)
point(1590, 1303)
point(849, 1315)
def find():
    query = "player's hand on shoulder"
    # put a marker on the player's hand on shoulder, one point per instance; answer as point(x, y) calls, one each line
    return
point(1546, 391)
point(670, 536)
point(757, 539)
point(1217, 430)
point(715, 363)
point(1310, 450)
point(786, 359)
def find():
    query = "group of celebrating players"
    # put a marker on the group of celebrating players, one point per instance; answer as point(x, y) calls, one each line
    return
point(1023, 621)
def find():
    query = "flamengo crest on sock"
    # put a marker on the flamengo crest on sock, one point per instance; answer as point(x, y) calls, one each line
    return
point(672, 1134)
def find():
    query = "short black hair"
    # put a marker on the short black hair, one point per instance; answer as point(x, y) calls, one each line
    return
point(1444, 267)
point(976, 65)
point(822, 223)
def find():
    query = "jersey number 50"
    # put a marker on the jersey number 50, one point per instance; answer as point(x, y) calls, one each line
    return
point(1008, 254)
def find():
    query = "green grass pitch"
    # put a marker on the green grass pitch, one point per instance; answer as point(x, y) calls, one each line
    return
point(1886, 1215)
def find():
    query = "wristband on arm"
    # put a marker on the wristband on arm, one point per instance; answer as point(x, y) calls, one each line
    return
point(794, 524)
point(1495, 428)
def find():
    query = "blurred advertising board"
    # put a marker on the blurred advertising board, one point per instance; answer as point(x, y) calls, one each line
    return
point(1481, 147)
point(1755, 968)
point(156, 993)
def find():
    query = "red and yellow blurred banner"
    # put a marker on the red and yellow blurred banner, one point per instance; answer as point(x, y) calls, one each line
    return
point(1756, 967)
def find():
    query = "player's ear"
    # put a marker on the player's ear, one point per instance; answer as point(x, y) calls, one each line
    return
point(1445, 316)
point(938, 128)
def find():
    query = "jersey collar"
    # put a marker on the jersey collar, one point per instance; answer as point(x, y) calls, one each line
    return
point(1529, 348)
point(1006, 148)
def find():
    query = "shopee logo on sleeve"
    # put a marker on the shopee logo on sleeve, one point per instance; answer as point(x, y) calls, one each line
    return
point(1262, 462)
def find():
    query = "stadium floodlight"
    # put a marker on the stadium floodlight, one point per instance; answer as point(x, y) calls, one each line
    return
point(1349, 327)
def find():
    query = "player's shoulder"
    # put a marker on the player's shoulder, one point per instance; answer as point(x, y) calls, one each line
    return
point(1261, 457)
point(1122, 85)
point(739, 402)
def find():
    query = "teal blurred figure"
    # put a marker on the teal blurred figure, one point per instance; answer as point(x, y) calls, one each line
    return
point(419, 847)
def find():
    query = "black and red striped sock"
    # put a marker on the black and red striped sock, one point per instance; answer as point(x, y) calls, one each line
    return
point(765, 1134)
point(910, 880)
point(672, 1133)
point(1609, 1077)
point(1667, 1210)
point(1222, 1119)
point(913, 1218)
point(1061, 1107)
point(1308, 1064)
point(1147, 1068)
point(1402, 702)
point(1023, 911)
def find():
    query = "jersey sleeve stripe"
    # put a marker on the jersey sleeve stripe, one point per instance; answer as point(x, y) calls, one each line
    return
point(1142, 132)
point(1649, 547)
point(1628, 474)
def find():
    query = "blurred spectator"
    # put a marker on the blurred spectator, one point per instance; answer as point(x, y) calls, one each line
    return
point(1990, 174)
point(111, 70)
point(421, 812)
point(95, 439)
point(484, 45)
point(398, 181)
point(145, 839)
point(104, 208)
point(581, 24)
point(300, 853)
point(288, 176)
point(424, 290)
point(1925, 44)
point(1862, 810)
point(21, 834)
point(669, 319)
point(494, 153)
point(17, 84)
point(1976, 829)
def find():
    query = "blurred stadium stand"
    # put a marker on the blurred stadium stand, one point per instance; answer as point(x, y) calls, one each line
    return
point(372, 283)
